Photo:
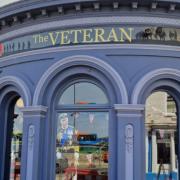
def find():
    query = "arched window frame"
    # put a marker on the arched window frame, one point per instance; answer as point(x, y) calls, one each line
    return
point(91, 107)
point(107, 108)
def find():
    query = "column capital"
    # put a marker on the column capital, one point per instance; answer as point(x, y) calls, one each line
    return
point(34, 110)
point(129, 110)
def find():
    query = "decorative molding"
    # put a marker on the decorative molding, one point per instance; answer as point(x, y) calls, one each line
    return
point(154, 5)
point(20, 85)
point(31, 111)
point(34, 109)
point(115, 5)
point(30, 152)
point(143, 82)
point(123, 115)
point(129, 138)
point(12, 59)
point(134, 5)
point(31, 137)
point(53, 70)
point(129, 150)
point(105, 20)
point(129, 110)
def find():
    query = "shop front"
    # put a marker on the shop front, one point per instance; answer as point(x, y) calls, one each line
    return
point(88, 91)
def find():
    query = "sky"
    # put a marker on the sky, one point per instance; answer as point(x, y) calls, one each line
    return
point(5, 2)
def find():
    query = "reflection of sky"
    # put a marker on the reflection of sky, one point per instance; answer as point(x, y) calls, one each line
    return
point(6, 2)
point(86, 92)
point(84, 125)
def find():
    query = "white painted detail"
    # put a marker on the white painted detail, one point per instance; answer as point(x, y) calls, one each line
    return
point(129, 140)
point(31, 134)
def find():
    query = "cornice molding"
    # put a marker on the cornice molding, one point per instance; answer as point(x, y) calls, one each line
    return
point(25, 9)
point(31, 111)
point(129, 110)
point(89, 21)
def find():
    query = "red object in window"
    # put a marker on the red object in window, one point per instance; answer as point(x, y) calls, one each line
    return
point(1, 49)
point(82, 173)
point(82, 102)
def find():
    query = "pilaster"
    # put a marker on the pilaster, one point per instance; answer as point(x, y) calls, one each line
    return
point(130, 142)
point(31, 160)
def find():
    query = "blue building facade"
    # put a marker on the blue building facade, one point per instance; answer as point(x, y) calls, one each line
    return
point(127, 50)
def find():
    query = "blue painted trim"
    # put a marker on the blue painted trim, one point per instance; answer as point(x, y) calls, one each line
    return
point(150, 155)
point(169, 176)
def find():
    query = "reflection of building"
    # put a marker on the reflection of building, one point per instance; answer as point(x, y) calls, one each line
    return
point(161, 128)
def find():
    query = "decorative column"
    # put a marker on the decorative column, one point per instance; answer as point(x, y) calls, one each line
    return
point(31, 159)
point(173, 157)
point(154, 152)
point(130, 142)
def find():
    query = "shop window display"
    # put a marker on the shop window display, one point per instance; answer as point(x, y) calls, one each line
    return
point(82, 136)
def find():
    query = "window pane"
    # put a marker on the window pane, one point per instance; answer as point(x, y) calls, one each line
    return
point(68, 96)
point(161, 141)
point(163, 153)
point(82, 145)
point(83, 93)
point(16, 142)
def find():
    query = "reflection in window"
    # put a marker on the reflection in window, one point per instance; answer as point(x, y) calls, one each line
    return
point(82, 145)
point(83, 93)
point(163, 146)
point(16, 142)
point(161, 139)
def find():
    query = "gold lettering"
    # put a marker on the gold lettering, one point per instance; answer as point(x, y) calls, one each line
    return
point(46, 38)
point(35, 38)
point(127, 35)
point(65, 37)
point(87, 36)
point(99, 35)
point(112, 36)
point(54, 39)
point(75, 32)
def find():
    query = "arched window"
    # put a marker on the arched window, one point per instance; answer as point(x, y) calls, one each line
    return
point(82, 132)
point(161, 137)
point(83, 93)
point(14, 131)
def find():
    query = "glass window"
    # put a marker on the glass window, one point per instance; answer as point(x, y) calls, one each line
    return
point(161, 142)
point(163, 146)
point(83, 93)
point(16, 142)
point(82, 145)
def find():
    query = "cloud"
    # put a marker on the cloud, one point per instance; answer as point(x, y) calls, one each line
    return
point(6, 2)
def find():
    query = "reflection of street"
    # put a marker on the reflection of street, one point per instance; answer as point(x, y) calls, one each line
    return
point(82, 149)
point(89, 163)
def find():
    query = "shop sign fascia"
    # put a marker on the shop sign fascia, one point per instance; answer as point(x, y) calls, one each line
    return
point(91, 35)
